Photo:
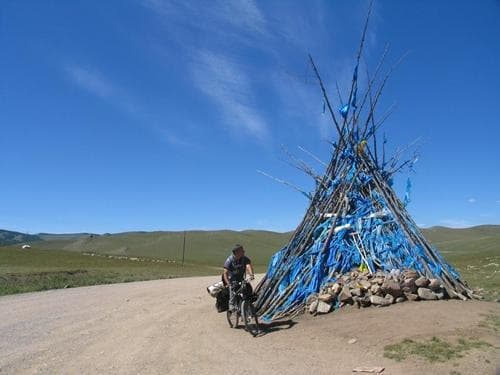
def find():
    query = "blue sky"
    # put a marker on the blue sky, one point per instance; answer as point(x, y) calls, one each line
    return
point(155, 114)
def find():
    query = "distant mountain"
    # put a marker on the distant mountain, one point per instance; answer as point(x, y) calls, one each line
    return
point(8, 237)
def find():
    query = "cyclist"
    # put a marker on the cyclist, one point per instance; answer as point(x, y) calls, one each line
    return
point(235, 267)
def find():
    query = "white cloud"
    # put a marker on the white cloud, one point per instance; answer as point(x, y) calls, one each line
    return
point(239, 20)
point(91, 81)
point(487, 215)
point(471, 200)
point(94, 82)
point(227, 84)
point(456, 223)
point(244, 14)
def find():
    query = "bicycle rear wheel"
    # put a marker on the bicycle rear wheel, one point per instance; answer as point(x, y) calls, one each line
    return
point(250, 318)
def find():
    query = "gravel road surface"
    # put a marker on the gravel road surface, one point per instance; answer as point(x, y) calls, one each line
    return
point(171, 327)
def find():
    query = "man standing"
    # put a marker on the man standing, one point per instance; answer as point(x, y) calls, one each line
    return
point(235, 267)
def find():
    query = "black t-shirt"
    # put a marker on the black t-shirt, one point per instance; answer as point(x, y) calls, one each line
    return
point(236, 267)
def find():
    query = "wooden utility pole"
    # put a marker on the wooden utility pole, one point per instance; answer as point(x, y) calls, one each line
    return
point(183, 248)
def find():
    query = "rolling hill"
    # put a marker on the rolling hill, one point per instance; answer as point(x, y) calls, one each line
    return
point(8, 237)
point(202, 247)
point(211, 247)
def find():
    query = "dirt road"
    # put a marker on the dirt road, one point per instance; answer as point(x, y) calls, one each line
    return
point(171, 327)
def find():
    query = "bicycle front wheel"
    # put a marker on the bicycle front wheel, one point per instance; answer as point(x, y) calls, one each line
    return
point(250, 318)
point(232, 318)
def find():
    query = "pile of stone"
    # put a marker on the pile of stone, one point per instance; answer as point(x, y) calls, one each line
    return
point(363, 289)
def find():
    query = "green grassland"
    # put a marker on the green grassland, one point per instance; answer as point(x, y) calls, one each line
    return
point(433, 350)
point(475, 252)
point(35, 269)
point(202, 247)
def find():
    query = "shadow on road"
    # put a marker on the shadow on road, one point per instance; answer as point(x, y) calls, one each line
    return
point(275, 327)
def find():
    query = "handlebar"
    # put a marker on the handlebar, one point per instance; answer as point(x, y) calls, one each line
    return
point(247, 279)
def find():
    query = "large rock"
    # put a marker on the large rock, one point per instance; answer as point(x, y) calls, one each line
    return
point(323, 307)
point(392, 287)
point(380, 273)
point(336, 288)
point(410, 274)
point(364, 284)
point(422, 282)
point(409, 285)
point(440, 294)
point(313, 307)
point(325, 297)
point(379, 301)
point(363, 301)
point(356, 292)
point(426, 294)
point(375, 289)
point(312, 297)
point(378, 280)
point(345, 279)
point(412, 297)
point(434, 285)
point(345, 295)
point(400, 299)
point(389, 298)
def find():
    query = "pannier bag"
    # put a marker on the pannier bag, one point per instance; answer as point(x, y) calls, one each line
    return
point(221, 294)
point(215, 289)
point(222, 300)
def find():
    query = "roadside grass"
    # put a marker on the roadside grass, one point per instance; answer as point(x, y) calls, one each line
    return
point(433, 350)
point(34, 270)
point(491, 321)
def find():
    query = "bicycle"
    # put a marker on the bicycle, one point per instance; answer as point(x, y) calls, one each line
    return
point(244, 298)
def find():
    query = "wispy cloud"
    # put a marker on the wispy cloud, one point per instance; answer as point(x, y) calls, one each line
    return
point(174, 139)
point(95, 83)
point(471, 200)
point(198, 32)
point(91, 81)
point(486, 215)
point(276, 38)
point(498, 201)
point(239, 20)
point(227, 84)
point(456, 223)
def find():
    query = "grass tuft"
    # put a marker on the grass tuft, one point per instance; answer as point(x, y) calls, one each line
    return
point(491, 321)
point(433, 350)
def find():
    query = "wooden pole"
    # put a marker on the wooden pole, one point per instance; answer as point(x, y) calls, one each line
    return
point(183, 248)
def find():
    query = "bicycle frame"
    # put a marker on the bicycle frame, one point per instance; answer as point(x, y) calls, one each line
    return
point(242, 293)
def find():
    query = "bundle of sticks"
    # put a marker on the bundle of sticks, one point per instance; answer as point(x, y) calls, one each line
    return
point(355, 219)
